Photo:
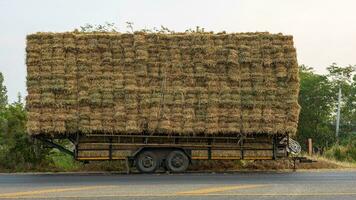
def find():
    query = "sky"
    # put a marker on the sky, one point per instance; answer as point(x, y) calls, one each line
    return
point(324, 30)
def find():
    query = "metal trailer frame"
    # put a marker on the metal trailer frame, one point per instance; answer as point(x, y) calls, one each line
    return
point(279, 146)
point(137, 143)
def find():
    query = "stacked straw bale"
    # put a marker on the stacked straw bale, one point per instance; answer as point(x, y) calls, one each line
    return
point(183, 83)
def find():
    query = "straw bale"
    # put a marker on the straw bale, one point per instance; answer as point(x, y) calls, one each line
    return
point(182, 83)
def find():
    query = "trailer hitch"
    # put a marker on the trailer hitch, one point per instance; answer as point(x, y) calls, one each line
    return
point(55, 145)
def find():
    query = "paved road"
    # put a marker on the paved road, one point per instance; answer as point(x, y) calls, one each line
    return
point(264, 186)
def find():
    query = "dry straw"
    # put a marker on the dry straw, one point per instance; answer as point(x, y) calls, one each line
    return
point(186, 83)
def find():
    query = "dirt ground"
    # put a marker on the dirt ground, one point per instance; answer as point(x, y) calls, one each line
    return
point(265, 165)
point(228, 165)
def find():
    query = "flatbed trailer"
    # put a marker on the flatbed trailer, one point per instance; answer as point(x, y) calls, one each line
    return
point(174, 152)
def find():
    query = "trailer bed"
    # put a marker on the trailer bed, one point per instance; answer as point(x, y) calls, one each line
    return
point(120, 147)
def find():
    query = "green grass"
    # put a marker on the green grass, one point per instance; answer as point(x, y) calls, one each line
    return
point(63, 162)
point(346, 151)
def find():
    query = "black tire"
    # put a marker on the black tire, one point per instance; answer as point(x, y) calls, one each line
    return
point(147, 162)
point(177, 161)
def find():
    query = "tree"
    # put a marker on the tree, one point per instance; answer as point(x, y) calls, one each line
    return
point(17, 150)
point(343, 81)
point(316, 98)
point(3, 91)
point(341, 75)
point(348, 111)
point(3, 103)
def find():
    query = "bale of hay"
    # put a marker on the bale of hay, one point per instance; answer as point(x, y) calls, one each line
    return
point(154, 83)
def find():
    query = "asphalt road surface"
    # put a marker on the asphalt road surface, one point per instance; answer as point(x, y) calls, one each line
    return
point(336, 185)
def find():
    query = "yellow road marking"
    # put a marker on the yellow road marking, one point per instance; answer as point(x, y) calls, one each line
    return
point(213, 191)
point(217, 189)
point(172, 195)
point(286, 194)
point(54, 190)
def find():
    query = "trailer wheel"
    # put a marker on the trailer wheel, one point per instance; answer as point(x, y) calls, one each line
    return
point(147, 162)
point(177, 161)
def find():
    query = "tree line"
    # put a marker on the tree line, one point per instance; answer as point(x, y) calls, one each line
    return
point(318, 98)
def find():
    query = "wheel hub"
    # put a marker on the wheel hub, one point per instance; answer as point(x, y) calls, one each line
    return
point(177, 161)
point(147, 161)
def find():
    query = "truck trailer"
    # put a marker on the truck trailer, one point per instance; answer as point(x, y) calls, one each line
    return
point(164, 99)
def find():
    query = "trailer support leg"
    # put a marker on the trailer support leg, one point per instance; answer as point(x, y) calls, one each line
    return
point(242, 154)
point(127, 162)
point(209, 153)
point(274, 148)
point(294, 167)
point(209, 149)
point(110, 149)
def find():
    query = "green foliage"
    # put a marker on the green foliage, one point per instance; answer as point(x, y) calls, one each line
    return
point(345, 78)
point(335, 153)
point(348, 109)
point(17, 150)
point(340, 75)
point(3, 91)
point(316, 98)
point(111, 27)
point(62, 161)
point(346, 151)
point(107, 27)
